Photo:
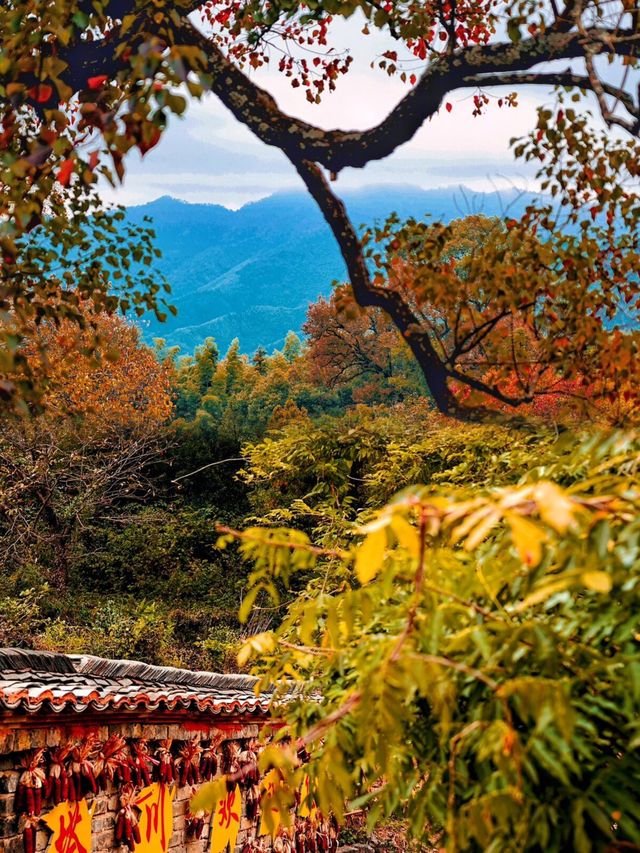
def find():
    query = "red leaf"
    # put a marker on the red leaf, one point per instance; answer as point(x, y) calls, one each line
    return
point(93, 159)
point(64, 172)
point(97, 82)
point(41, 93)
point(448, 107)
point(147, 144)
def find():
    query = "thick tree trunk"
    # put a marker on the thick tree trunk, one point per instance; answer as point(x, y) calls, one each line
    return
point(368, 295)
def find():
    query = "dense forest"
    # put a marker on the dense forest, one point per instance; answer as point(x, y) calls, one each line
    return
point(112, 497)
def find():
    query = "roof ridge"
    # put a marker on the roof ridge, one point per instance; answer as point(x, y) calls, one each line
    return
point(21, 660)
point(140, 671)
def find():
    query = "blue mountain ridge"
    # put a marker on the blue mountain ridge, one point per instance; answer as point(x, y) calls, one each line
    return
point(251, 273)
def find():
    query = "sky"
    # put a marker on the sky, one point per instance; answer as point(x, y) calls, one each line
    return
point(208, 157)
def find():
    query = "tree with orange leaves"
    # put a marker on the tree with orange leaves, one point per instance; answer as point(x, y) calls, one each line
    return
point(90, 449)
point(510, 316)
point(346, 343)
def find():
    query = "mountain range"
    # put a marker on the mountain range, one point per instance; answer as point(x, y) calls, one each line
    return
point(251, 273)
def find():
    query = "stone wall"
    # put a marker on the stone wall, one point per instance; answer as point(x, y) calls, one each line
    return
point(14, 742)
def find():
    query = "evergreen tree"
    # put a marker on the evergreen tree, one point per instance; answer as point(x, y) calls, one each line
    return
point(259, 360)
point(292, 347)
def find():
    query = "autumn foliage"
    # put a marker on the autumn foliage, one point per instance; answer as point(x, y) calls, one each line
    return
point(119, 386)
point(91, 447)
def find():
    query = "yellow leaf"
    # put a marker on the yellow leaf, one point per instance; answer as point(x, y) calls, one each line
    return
point(543, 593)
point(528, 539)
point(470, 521)
point(482, 530)
point(370, 555)
point(554, 506)
point(406, 535)
point(206, 797)
point(258, 643)
point(597, 581)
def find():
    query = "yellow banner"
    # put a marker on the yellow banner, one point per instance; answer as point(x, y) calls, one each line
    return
point(268, 789)
point(156, 818)
point(71, 826)
point(225, 822)
point(304, 810)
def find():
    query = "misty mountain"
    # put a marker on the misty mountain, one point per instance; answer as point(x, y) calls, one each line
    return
point(251, 273)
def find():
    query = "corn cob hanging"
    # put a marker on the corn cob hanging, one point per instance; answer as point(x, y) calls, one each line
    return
point(111, 763)
point(166, 770)
point(284, 843)
point(194, 823)
point(209, 759)
point(82, 779)
point(231, 753)
point(141, 763)
point(188, 763)
point(248, 765)
point(252, 802)
point(127, 829)
point(311, 837)
point(57, 786)
point(300, 840)
point(31, 783)
point(29, 827)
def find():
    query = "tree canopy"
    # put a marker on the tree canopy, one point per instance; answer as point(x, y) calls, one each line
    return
point(82, 83)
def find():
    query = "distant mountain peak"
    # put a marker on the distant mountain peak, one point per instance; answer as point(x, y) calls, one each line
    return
point(251, 273)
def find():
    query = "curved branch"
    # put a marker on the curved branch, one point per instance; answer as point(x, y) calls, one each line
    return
point(337, 149)
point(601, 90)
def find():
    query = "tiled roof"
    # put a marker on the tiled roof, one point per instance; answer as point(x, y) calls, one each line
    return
point(31, 681)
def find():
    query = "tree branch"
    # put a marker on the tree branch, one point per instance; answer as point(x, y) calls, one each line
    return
point(368, 295)
point(559, 78)
point(337, 149)
point(601, 91)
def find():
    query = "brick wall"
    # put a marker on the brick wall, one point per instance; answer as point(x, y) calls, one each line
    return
point(14, 742)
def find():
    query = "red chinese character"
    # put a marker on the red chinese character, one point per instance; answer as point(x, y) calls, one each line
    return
point(226, 815)
point(67, 840)
point(155, 812)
